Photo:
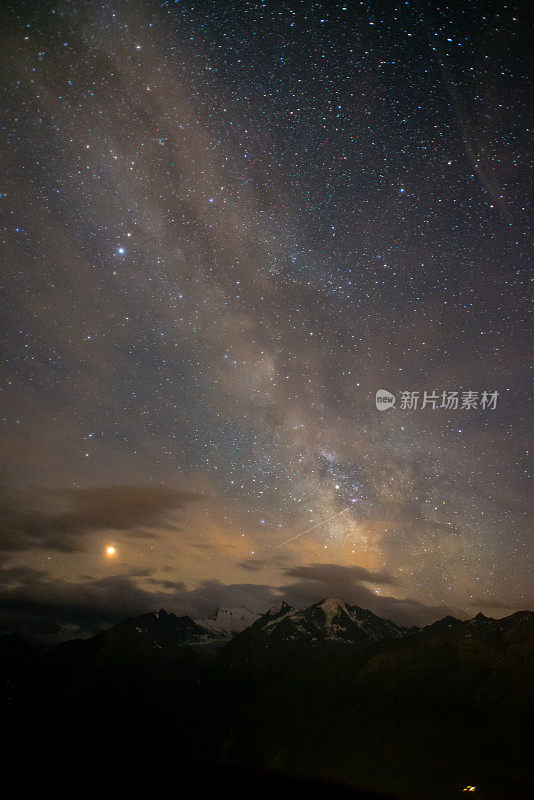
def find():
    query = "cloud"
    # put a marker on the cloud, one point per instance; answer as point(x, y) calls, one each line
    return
point(43, 610)
point(20, 576)
point(499, 605)
point(176, 585)
point(253, 566)
point(338, 575)
point(58, 520)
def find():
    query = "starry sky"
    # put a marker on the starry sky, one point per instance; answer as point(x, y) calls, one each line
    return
point(226, 226)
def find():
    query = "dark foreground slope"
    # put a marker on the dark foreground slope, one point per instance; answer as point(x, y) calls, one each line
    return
point(332, 694)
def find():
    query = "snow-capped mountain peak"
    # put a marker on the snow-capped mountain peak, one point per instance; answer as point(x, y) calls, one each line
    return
point(227, 621)
point(329, 620)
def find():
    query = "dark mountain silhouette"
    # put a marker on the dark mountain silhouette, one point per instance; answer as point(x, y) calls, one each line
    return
point(327, 693)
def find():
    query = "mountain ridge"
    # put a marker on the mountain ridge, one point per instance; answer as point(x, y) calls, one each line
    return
point(335, 619)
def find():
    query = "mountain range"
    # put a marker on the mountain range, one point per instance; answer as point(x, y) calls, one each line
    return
point(329, 692)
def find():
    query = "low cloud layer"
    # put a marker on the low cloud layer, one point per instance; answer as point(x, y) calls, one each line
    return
point(59, 520)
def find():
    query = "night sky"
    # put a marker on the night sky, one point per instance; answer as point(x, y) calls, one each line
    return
point(225, 226)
